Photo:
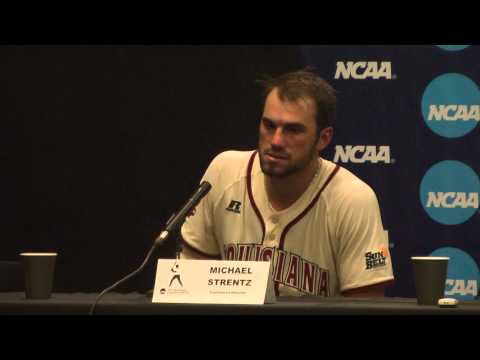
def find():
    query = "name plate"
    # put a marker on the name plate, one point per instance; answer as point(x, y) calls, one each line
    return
point(213, 282)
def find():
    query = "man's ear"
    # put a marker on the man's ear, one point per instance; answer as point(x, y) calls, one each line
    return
point(325, 138)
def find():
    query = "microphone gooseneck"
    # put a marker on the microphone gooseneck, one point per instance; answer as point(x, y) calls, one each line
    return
point(186, 209)
point(173, 222)
point(129, 276)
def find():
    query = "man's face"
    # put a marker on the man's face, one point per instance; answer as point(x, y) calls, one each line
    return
point(287, 139)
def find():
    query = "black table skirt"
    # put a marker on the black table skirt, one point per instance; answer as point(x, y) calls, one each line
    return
point(14, 303)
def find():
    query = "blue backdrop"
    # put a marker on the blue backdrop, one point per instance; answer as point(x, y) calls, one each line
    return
point(408, 125)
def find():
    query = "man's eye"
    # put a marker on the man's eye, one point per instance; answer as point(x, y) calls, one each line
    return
point(294, 129)
point(269, 125)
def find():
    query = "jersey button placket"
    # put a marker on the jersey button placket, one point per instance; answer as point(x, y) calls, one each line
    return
point(272, 231)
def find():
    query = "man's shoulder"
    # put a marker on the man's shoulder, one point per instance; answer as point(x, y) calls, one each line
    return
point(229, 166)
point(345, 185)
point(232, 157)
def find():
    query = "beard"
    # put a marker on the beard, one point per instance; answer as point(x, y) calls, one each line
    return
point(284, 170)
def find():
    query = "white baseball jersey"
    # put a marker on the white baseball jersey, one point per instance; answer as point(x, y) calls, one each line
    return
point(330, 240)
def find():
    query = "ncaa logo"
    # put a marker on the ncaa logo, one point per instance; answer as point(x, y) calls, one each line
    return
point(451, 105)
point(360, 154)
point(449, 192)
point(361, 70)
point(453, 47)
point(462, 274)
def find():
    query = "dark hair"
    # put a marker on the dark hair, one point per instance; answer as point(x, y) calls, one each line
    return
point(305, 84)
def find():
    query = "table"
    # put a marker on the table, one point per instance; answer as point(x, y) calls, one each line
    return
point(14, 303)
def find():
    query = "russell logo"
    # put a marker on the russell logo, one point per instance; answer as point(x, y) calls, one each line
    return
point(359, 154)
point(449, 192)
point(462, 274)
point(451, 105)
point(453, 47)
point(361, 70)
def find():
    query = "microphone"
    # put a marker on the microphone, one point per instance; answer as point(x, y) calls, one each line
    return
point(172, 223)
point(177, 219)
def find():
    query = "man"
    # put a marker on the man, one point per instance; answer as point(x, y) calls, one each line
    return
point(317, 222)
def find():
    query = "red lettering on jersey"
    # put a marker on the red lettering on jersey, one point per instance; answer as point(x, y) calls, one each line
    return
point(323, 283)
point(230, 252)
point(248, 250)
point(289, 269)
point(244, 251)
point(257, 250)
point(279, 266)
point(266, 254)
point(308, 277)
point(292, 277)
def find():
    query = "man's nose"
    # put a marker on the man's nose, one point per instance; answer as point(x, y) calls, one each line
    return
point(278, 138)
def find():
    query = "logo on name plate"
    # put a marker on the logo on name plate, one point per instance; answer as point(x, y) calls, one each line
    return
point(176, 279)
point(175, 285)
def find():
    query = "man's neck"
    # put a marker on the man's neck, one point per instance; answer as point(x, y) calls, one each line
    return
point(283, 192)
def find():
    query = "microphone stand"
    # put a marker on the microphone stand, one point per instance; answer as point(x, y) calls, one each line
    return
point(158, 241)
point(172, 224)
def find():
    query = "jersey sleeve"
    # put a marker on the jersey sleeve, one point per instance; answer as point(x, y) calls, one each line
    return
point(363, 254)
point(197, 231)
